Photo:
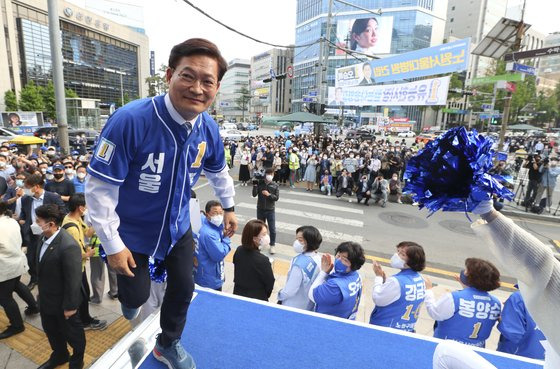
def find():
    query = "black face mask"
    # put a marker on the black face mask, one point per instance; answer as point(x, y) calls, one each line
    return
point(58, 175)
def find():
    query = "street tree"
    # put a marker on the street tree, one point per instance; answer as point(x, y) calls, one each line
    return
point(10, 100)
point(242, 100)
point(157, 83)
point(30, 98)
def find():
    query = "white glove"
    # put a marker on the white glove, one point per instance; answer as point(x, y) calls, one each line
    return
point(484, 207)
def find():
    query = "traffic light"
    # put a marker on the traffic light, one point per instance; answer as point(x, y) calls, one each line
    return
point(281, 76)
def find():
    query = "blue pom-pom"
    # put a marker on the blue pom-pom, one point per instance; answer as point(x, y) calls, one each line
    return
point(158, 273)
point(102, 254)
point(450, 173)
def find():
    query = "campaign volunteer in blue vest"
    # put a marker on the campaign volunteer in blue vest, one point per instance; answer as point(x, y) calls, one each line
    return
point(304, 269)
point(519, 332)
point(398, 298)
point(338, 287)
point(468, 315)
point(150, 154)
point(212, 247)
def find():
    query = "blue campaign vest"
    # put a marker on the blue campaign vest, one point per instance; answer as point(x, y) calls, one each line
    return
point(207, 272)
point(403, 313)
point(308, 266)
point(514, 314)
point(476, 312)
point(155, 162)
point(350, 285)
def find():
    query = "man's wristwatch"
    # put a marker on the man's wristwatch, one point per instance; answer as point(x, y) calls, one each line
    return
point(232, 209)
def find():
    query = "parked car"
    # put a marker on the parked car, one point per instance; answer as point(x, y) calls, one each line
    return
point(6, 134)
point(231, 134)
point(425, 138)
point(91, 135)
point(360, 134)
point(229, 126)
point(252, 127)
point(406, 134)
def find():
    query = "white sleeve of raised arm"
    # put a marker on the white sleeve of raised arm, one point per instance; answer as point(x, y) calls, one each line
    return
point(442, 309)
point(102, 199)
point(223, 186)
point(317, 282)
point(385, 293)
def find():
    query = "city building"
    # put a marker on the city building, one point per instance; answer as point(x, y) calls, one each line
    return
point(275, 97)
point(229, 103)
point(406, 25)
point(102, 60)
point(126, 12)
point(549, 67)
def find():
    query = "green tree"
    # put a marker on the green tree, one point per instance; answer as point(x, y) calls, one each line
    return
point(10, 100)
point(242, 100)
point(70, 94)
point(47, 93)
point(30, 98)
point(157, 84)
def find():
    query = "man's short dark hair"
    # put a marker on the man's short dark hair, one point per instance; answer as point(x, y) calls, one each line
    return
point(269, 170)
point(355, 254)
point(34, 180)
point(211, 204)
point(198, 46)
point(76, 200)
point(312, 237)
point(50, 213)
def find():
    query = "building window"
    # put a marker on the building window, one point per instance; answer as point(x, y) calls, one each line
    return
point(451, 20)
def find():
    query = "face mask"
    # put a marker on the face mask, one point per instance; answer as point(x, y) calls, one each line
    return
point(51, 152)
point(298, 247)
point(463, 278)
point(69, 171)
point(395, 178)
point(397, 262)
point(19, 183)
point(265, 241)
point(339, 266)
point(81, 175)
point(352, 156)
point(58, 175)
point(269, 178)
point(44, 170)
point(217, 220)
point(2, 164)
point(27, 191)
point(85, 213)
point(36, 229)
point(49, 177)
point(277, 155)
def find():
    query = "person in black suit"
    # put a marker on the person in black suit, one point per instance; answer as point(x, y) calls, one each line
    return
point(35, 197)
point(59, 268)
point(364, 190)
point(3, 186)
point(253, 276)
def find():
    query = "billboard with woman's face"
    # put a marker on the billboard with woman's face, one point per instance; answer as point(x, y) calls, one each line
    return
point(369, 35)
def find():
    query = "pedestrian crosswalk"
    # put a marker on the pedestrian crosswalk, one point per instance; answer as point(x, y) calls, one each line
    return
point(337, 220)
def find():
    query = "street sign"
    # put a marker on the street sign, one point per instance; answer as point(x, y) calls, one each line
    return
point(547, 51)
point(272, 74)
point(522, 68)
point(307, 99)
point(515, 77)
point(454, 111)
point(312, 93)
point(489, 116)
point(290, 71)
point(486, 107)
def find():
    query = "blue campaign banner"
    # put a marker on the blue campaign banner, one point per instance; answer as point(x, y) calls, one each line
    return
point(441, 59)
point(527, 69)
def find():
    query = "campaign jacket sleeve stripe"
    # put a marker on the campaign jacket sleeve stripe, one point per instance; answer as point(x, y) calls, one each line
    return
point(104, 177)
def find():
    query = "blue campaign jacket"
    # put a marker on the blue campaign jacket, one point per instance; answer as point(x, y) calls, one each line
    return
point(349, 286)
point(519, 332)
point(476, 312)
point(209, 254)
point(403, 313)
point(156, 163)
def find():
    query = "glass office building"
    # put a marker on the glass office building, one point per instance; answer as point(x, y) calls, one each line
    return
point(416, 24)
point(98, 64)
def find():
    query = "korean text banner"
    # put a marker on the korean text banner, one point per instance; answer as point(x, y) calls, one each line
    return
point(441, 59)
point(421, 93)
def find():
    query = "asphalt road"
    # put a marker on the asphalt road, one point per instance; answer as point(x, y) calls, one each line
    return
point(446, 237)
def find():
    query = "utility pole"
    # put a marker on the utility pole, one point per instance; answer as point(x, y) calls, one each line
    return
point(58, 76)
point(507, 105)
point(324, 49)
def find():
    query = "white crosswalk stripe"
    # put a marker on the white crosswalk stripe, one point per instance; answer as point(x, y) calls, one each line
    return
point(309, 215)
point(320, 205)
point(326, 234)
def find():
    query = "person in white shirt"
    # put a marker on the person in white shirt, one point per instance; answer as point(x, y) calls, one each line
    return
point(304, 269)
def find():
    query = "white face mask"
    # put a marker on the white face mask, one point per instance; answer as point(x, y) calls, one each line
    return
point(397, 262)
point(298, 247)
point(51, 152)
point(27, 191)
point(49, 177)
point(2, 164)
point(44, 170)
point(265, 241)
point(81, 175)
point(36, 229)
point(269, 178)
point(69, 171)
point(217, 220)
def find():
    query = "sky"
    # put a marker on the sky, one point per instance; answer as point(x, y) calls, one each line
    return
point(169, 22)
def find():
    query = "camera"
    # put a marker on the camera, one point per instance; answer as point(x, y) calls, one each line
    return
point(545, 161)
point(258, 177)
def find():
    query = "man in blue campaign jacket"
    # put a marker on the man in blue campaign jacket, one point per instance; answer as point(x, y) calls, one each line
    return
point(468, 315)
point(398, 298)
point(150, 154)
point(339, 293)
point(519, 332)
point(212, 248)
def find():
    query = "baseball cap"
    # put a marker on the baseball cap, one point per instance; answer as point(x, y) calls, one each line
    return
point(58, 166)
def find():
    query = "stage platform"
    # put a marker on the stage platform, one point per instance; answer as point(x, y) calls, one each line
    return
point(229, 332)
